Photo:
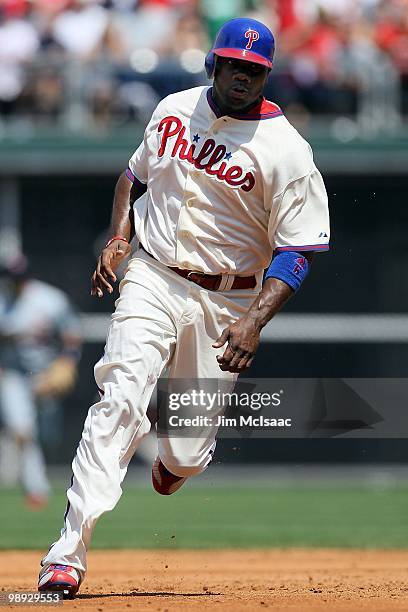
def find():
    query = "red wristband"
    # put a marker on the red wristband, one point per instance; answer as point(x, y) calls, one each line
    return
point(116, 238)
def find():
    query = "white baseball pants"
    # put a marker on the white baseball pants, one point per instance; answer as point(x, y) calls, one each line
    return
point(161, 320)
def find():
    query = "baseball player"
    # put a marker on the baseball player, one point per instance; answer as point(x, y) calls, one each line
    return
point(220, 184)
point(39, 349)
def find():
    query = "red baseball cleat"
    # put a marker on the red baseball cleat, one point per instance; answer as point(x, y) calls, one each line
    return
point(61, 578)
point(164, 482)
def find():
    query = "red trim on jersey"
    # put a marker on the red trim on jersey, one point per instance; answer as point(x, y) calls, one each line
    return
point(305, 247)
point(263, 110)
point(243, 54)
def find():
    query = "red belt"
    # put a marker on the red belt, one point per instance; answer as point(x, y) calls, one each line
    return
point(212, 281)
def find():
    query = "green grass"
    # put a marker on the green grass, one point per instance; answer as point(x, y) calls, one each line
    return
point(282, 516)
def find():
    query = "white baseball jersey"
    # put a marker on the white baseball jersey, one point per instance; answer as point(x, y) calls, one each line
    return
point(224, 192)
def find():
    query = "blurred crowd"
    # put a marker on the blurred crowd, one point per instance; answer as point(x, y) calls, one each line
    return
point(111, 61)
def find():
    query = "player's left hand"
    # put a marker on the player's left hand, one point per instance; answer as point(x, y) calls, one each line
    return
point(243, 340)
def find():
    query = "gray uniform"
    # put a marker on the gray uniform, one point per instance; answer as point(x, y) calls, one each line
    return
point(32, 324)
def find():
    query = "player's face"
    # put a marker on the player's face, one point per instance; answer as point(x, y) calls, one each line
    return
point(238, 84)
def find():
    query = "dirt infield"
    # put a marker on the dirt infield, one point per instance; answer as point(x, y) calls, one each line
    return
point(296, 580)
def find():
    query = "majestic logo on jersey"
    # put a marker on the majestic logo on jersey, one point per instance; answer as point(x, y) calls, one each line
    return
point(252, 36)
point(206, 158)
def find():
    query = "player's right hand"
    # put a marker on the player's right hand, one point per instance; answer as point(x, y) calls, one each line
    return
point(108, 261)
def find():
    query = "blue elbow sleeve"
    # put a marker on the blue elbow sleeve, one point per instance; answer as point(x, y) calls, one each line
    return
point(290, 267)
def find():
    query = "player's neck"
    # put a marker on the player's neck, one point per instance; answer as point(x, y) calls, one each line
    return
point(226, 110)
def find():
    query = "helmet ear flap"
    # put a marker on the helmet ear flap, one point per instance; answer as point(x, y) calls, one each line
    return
point(210, 64)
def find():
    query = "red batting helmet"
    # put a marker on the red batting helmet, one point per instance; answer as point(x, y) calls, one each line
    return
point(244, 39)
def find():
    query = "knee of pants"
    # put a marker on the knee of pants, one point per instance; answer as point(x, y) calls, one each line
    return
point(118, 406)
point(186, 466)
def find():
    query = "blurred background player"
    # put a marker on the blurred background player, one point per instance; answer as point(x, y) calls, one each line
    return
point(39, 350)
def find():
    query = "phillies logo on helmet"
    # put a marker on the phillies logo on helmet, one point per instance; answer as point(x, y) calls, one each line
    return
point(252, 36)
